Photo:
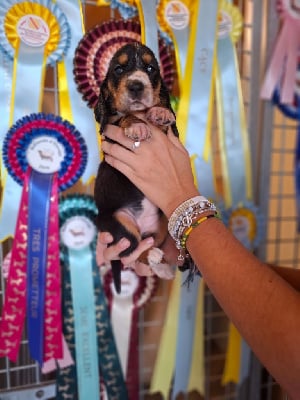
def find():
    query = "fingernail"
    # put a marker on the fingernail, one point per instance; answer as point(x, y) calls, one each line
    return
point(124, 243)
point(150, 240)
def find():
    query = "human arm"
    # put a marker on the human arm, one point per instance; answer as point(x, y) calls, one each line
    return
point(262, 305)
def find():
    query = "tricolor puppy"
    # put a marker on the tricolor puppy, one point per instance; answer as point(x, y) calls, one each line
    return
point(131, 93)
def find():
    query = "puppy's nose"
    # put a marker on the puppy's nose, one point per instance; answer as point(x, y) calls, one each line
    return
point(135, 88)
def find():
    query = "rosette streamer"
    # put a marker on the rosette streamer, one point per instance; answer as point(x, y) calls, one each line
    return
point(71, 105)
point(33, 34)
point(165, 379)
point(126, 8)
point(195, 112)
point(186, 334)
point(283, 65)
point(87, 325)
point(136, 292)
point(96, 49)
point(174, 19)
point(149, 27)
point(236, 166)
point(44, 154)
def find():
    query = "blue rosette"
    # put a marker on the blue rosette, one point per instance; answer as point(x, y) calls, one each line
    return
point(47, 24)
point(45, 155)
point(33, 126)
point(94, 349)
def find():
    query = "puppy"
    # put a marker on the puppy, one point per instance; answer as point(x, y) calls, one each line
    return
point(131, 93)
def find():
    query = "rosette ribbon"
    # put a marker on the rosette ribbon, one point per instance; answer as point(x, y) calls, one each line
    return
point(71, 105)
point(44, 154)
point(174, 20)
point(194, 113)
point(136, 292)
point(86, 317)
point(174, 371)
point(33, 34)
point(248, 226)
point(283, 65)
point(149, 27)
point(236, 166)
point(96, 48)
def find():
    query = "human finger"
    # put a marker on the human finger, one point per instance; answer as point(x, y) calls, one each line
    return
point(105, 254)
point(143, 246)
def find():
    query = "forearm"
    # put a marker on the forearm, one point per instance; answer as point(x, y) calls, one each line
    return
point(263, 307)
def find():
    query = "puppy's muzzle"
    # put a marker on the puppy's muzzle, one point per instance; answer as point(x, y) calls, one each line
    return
point(135, 89)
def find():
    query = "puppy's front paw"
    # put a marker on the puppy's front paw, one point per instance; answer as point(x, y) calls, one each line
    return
point(161, 269)
point(160, 116)
point(138, 131)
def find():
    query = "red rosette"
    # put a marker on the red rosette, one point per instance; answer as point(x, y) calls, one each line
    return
point(97, 47)
point(136, 291)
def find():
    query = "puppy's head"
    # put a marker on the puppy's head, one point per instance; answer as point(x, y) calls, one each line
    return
point(132, 83)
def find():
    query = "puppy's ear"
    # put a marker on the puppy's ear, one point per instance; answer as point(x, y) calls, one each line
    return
point(164, 96)
point(102, 108)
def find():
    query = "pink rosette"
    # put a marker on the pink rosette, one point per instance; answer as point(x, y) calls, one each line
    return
point(283, 66)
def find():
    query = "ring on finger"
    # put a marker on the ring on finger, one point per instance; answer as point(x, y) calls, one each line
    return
point(135, 145)
point(132, 136)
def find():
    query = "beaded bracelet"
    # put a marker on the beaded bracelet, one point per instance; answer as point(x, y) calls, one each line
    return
point(186, 234)
point(183, 216)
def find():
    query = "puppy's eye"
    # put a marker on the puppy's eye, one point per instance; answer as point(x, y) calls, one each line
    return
point(150, 69)
point(119, 69)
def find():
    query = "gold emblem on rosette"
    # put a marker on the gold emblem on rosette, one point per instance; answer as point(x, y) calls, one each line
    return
point(230, 21)
point(34, 24)
point(174, 14)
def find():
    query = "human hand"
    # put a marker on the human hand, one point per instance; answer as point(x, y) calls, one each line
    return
point(105, 253)
point(160, 167)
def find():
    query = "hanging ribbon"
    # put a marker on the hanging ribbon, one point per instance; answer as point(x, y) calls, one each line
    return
point(185, 334)
point(147, 17)
point(136, 292)
point(194, 113)
point(126, 8)
point(234, 143)
point(47, 154)
point(174, 19)
point(284, 61)
point(86, 320)
point(197, 368)
point(161, 381)
point(33, 34)
point(71, 105)
point(96, 49)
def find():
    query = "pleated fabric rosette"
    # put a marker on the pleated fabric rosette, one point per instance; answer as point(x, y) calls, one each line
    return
point(97, 371)
point(283, 65)
point(33, 35)
point(44, 155)
point(96, 49)
point(136, 292)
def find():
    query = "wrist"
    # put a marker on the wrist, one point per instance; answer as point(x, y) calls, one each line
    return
point(178, 199)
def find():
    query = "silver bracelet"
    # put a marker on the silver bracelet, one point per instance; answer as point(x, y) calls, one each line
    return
point(183, 216)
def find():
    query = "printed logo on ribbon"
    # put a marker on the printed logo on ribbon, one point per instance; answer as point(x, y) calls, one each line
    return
point(45, 154)
point(177, 15)
point(78, 232)
point(33, 30)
